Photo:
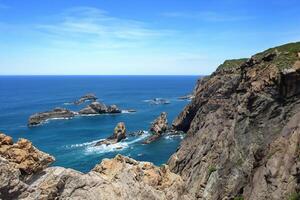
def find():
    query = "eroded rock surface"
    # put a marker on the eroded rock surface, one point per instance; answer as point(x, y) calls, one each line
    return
point(243, 130)
point(87, 97)
point(158, 127)
point(57, 113)
point(118, 135)
point(25, 175)
point(99, 108)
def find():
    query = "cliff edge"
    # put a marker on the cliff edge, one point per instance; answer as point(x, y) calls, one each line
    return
point(243, 129)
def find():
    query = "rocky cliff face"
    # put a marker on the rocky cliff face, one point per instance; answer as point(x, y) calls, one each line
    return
point(243, 129)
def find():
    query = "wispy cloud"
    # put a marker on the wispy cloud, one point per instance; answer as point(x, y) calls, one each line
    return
point(93, 25)
point(208, 16)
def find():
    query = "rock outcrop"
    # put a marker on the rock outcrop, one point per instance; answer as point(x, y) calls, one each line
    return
point(99, 108)
point(118, 135)
point(94, 108)
point(25, 175)
point(243, 130)
point(85, 98)
point(57, 113)
point(158, 127)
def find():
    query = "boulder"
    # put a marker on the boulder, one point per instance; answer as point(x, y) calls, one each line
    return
point(39, 118)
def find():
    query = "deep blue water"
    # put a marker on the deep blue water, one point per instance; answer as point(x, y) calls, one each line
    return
point(71, 141)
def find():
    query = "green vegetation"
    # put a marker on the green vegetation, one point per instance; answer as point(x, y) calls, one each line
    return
point(231, 64)
point(238, 198)
point(286, 55)
point(294, 196)
point(211, 170)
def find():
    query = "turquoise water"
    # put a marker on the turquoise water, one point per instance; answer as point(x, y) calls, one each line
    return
point(71, 141)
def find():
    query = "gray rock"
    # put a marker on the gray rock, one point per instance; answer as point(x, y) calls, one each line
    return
point(87, 97)
point(39, 118)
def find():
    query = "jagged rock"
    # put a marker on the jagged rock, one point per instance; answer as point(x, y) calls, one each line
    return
point(243, 130)
point(118, 178)
point(87, 97)
point(158, 127)
point(113, 109)
point(118, 135)
point(94, 108)
point(23, 156)
point(39, 118)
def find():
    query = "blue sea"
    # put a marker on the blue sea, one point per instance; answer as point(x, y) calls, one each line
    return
point(72, 141)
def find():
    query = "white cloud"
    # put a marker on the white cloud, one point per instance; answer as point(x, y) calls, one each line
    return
point(92, 26)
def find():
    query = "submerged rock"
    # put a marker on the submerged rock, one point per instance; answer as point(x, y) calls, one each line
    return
point(87, 97)
point(39, 118)
point(118, 135)
point(158, 101)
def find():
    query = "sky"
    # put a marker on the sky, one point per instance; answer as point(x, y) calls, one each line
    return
point(138, 37)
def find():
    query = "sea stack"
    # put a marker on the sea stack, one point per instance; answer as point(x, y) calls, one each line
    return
point(158, 127)
point(118, 135)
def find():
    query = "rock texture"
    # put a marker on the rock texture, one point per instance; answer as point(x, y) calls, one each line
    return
point(39, 118)
point(158, 127)
point(24, 176)
point(99, 108)
point(87, 97)
point(243, 130)
point(118, 135)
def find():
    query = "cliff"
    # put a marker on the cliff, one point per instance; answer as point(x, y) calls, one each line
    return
point(243, 129)
point(243, 142)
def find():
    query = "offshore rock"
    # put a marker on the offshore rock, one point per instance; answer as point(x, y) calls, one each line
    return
point(94, 108)
point(87, 97)
point(158, 127)
point(57, 113)
point(118, 135)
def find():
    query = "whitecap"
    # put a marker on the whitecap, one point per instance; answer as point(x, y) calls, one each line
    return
point(92, 149)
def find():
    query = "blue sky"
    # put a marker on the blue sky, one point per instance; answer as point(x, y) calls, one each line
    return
point(152, 37)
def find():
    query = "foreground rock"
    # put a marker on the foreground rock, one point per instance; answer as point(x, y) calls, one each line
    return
point(243, 130)
point(99, 108)
point(24, 176)
point(39, 118)
point(87, 97)
point(158, 127)
point(118, 135)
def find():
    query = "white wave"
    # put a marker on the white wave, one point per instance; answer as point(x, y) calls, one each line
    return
point(82, 144)
point(68, 103)
point(169, 137)
point(91, 149)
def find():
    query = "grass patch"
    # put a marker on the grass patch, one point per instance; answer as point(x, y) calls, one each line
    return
point(232, 64)
point(294, 196)
point(211, 169)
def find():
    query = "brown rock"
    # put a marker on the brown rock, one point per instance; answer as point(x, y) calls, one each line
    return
point(118, 135)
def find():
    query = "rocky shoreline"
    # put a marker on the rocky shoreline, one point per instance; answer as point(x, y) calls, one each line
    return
point(243, 142)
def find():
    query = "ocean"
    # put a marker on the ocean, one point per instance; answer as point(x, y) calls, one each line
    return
point(72, 141)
